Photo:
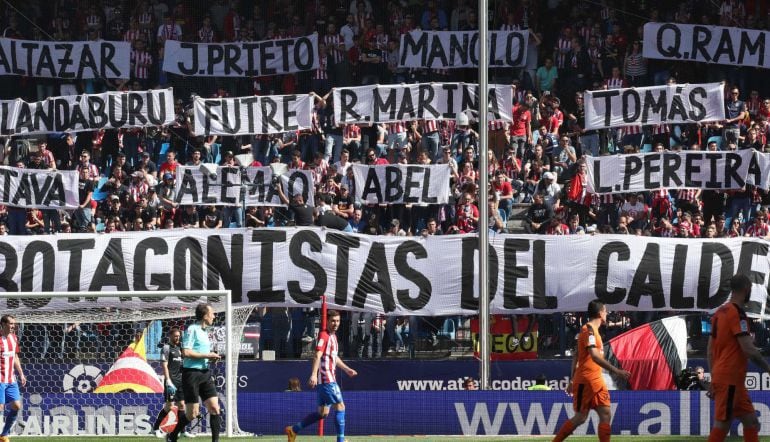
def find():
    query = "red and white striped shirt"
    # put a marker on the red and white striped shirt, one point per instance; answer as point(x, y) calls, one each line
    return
point(510, 27)
point(351, 131)
point(9, 347)
point(132, 35)
point(332, 43)
point(140, 64)
point(615, 83)
point(145, 19)
point(321, 73)
point(686, 194)
point(632, 130)
point(563, 46)
point(396, 128)
point(429, 126)
point(661, 129)
point(758, 231)
point(206, 35)
point(327, 344)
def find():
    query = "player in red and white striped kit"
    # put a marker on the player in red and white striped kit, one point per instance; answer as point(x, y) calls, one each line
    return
point(9, 366)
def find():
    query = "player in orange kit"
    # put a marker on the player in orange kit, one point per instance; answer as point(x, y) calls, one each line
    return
point(729, 349)
point(589, 391)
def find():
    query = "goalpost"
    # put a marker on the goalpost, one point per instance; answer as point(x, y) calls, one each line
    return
point(92, 360)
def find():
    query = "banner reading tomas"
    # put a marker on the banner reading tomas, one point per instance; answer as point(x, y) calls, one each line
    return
point(40, 189)
point(430, 101)
point(460, 49)
point(388, 274)
point(76, 113)
point(670, 104)
point(269, 114)
point(194, 187)
point(402, 184)
point(65, 59)
point(241, 59)
point(710, 44)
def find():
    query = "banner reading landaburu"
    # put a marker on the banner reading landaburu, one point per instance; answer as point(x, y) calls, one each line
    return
point(393, 275)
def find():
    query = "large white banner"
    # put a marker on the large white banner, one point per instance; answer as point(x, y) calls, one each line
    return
point(269, 114)
point(429, 101)
point(197, 187)
point(241, 59)
point(433, 276)
point(460, 49)
point(76, 113)
point(669, 104)
point(41, 189)
point(65, 59)
point(710, 44)
point(402, 183)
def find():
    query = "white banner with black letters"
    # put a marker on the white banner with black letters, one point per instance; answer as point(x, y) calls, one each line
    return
point(429, 101)
point(241, 59)
point(269, 114)
point(402, 183)
point(41, 189)
point(66, 60)
point(433, 276)
point(460, 49)
point(76, 113)
point(709, 44)
point(668, 104)
point(195, 187)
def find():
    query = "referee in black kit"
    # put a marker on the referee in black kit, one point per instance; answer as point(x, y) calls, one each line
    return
point(196, 379)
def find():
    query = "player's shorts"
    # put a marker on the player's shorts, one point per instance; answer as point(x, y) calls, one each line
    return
point(197, 383)
point(10, 393)
point(731, 401)
point(178, 395)
point(587, 397)
point(329, 394)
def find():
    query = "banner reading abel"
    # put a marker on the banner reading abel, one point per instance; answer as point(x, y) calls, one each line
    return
point(270, 114)
point(402, 184)
point(392, 275)
point(460, 49)
point(668, 104)
point(678, 170)
point(40, 189)
point(241, 59)
point(193, 187)
point(65, 59)
point(429, 101)
point(76, 113)
point(709, 44)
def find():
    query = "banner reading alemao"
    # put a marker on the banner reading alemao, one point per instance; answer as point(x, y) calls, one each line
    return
point(429, 101)
point(677, 170)
point(241, 59)
point(402, 183)
point(709, 44)
point(76, 113)
point(668, 104)
point(460, 49)
point(194, 187)
point(65, 59)
point(40, 189)
point(393, 275)
point(268, 114)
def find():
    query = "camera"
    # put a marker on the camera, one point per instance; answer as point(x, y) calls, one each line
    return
point(688, 380)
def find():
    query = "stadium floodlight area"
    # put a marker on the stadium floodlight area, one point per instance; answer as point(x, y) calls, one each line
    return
point(92, 360)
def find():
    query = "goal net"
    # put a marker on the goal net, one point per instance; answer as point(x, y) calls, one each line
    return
point(92, 360)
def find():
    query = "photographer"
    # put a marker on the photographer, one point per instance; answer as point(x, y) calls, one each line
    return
point(692, 380)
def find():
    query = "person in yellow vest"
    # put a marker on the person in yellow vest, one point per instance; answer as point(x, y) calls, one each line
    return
point(540, 384)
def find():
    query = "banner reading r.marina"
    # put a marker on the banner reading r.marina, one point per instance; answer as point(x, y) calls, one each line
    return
point(433, 275)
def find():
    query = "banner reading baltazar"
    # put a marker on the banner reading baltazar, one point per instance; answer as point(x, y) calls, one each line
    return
point(268, 114)
point(76, 113)
point(678, 170)
point(709, 44)
point(432, 276)
point(429, 101)
point(194, 187)
point(241, 59)
point(460, 49)
point(668, 104)
point(39, 189)
point(402, 183)
point(65, 60)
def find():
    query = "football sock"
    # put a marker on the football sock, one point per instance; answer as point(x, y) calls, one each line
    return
point(309, 420)
point(751, 434)
point(162, 415)
point(717, 435)
point(565, 431)
point(339, 421)
point(215, 422)
point(9, 421)
point(180, 425)
point(604, 432)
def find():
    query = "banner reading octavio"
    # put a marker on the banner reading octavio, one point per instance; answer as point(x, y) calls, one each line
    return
point(668, 104)
point(512, 338)
point(269, 114)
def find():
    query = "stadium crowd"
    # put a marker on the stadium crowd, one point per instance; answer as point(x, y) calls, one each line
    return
point(127, 175)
